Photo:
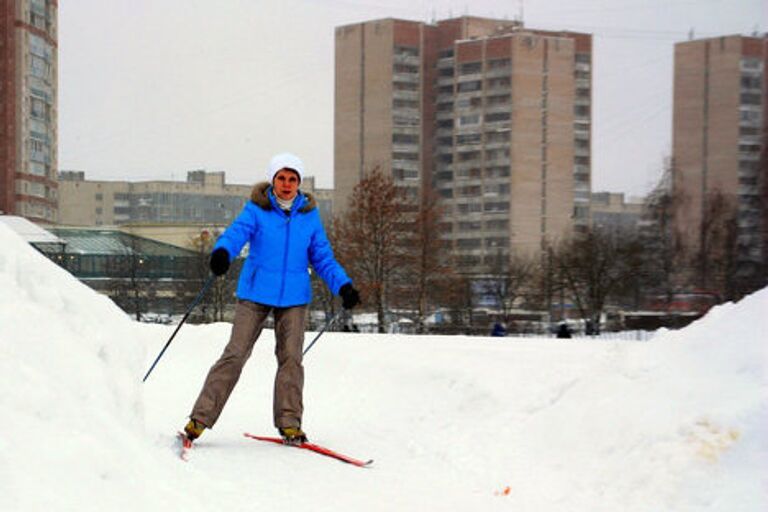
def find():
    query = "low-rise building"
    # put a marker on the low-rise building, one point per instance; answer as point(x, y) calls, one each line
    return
point(612, 211)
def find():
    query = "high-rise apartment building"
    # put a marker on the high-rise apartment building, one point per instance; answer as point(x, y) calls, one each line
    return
point(495, 117)
point(28, 108)
point(719, 130)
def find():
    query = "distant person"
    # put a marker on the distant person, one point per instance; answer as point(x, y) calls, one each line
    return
point(498, 330)
point(286, 235)
point(563, 331)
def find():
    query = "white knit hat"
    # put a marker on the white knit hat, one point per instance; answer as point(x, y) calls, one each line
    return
point(285, 161)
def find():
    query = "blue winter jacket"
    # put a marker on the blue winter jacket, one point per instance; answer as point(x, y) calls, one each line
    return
point(282, 246)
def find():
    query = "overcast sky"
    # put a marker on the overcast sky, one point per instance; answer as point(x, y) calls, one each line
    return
point(150, 89)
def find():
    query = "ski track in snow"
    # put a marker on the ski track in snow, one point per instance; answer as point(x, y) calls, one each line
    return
point(453, 423)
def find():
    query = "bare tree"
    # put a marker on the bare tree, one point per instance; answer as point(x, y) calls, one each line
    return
point(715, 255)
point(663, 252)
point(221, 294)
point(594, 266)
point(368, 238)
point(426, 261)
point(132, 288)
point(511, 276)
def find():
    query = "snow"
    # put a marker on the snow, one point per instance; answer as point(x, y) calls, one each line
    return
point(453, 423)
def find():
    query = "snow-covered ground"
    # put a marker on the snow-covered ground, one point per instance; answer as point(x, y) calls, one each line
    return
point(453, 423)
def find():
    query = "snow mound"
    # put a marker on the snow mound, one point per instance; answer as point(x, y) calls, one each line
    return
point(454, 423)
point(69, 367)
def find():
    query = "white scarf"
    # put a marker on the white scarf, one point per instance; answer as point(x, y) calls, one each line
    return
point(285, 204)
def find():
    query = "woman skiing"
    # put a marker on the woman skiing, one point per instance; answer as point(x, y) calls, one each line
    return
point(285, 233)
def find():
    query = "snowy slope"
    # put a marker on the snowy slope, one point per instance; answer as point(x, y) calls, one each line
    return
point(454, 423)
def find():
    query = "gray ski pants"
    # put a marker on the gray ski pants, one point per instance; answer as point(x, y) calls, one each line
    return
point(289, 381)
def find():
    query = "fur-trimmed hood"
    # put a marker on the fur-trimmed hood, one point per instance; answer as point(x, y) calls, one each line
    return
point(261, 199)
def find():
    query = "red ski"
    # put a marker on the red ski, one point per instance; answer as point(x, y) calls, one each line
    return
point(314, 448)
point(186, 446)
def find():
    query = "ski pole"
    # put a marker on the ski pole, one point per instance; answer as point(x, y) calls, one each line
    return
point(326, 326)
point(189, 310)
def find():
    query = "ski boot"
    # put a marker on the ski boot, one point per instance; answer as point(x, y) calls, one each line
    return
point(292, 436)
point(194, 429)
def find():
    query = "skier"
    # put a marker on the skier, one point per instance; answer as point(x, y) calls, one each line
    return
point(286, 235)
point(564, 331)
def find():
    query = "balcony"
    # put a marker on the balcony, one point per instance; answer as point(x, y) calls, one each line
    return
point(405, 95)
point(445, 63)
point(499, 72)
point(406, 165)
point(581, 151)
point(412, 60)
point(444, 80)
point(408, 78)
point(745, 156)
point(583, 83)
point(471, 77)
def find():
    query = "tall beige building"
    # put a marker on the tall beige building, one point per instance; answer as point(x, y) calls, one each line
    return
point(28, 108)
point(494, 116)
point(719, 127)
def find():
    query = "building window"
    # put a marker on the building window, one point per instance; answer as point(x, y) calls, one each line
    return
point(750, 99)
point(474, 85)
point(397, 103)
point(405, 138)
point(497, 172)
point(581, 110)
point(472, 174)
point(468, 138)
point(496, 207)
point(583, 58)
point(468, 156)
point(502, 99)
point(498, 83)
point(405, 121)
point(469, 191)
point(469, 120)
point(403, 155)
point(405, 174)
point(405, 68)
point(497, 241)
point(409, 51)
point(470, 226)
point(469, 208)
point(469, 243)
point(471, 68)
point(498, 189)
point(496, 117)
point(497, 225)
point(496, 154)
point(405, 86)
point(491, 137)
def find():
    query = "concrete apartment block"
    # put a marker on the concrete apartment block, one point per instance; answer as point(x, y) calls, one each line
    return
point(28, 108)
point(718, 136)
point(493, 116)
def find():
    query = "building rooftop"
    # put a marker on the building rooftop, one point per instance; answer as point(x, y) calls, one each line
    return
point(110, 242)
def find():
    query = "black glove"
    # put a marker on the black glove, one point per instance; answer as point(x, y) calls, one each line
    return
point(350, 297)
point(219, 261)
